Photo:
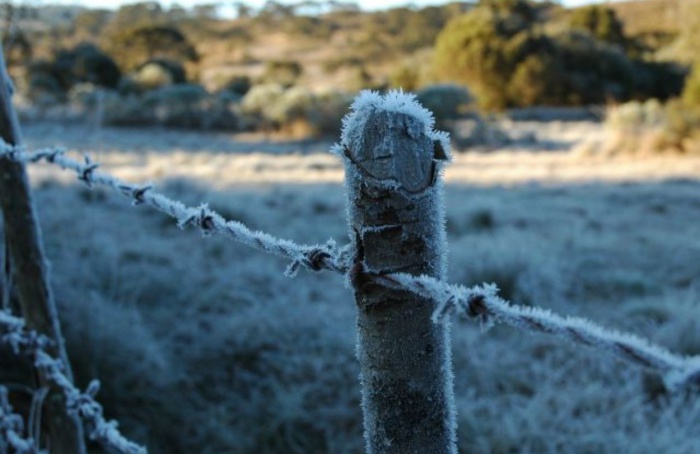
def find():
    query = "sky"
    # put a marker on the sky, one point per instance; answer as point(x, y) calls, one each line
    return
point(364, 4)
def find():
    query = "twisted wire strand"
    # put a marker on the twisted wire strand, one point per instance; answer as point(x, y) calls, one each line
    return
point(481, 303)
point(28, 342)
point(12, 427)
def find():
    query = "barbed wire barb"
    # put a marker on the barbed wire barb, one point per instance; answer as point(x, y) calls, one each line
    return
point(480, 303)
point(12, 428)
point(313, 257)
point(27, 342)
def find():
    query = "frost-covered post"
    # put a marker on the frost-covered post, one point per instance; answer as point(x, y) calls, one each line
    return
point(395, 209)
point(30, 273)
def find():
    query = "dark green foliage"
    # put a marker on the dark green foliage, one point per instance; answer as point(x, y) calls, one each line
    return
point(86, 63)
point(691, 92)
point(499, 49)
point(599, 21)
point(405, 77)
point(83, 63)
point(238, 85)
point(283, 72)
point(660, 80)
point(158, 73)
point(134, 46)
point(682, 126)
point(446, 102)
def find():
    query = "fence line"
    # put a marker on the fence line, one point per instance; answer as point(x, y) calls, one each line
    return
point(22, 341)
point(479, 302)
point(12, 426)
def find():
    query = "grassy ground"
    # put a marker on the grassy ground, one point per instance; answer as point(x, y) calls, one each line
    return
point(204, 346)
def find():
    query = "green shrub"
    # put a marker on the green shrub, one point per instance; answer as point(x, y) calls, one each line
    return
point(86, 63)
point(128, 110)
point(405, 77)
point(258, 105)
point(499, 50)
point(158, 73)
point(691, 92)
point(327, 118)
point(446, 102)
point(178, 106)
point(599, 21)
point(295, 111)
point(653, 127)
point(132, 47)
point(682, 128)
point(237, 84)
point(283, 72)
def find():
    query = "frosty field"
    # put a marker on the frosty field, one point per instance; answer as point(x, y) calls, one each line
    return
point(203, 346)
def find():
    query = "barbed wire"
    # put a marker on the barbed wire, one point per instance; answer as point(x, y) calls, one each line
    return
point(314, 257)
point(481, 303)
point(12, 427)
point(14, 333)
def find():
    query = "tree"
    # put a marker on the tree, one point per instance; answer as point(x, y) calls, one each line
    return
point(501, 53)
point(133, 47)
point(601, 22)
point(477, 49)
point(86, 63)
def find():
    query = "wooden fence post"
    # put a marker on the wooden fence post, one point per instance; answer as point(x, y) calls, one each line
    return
point(30, 274)
point(396, 217)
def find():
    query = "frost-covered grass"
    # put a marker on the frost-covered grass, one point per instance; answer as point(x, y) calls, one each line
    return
point(202, 345)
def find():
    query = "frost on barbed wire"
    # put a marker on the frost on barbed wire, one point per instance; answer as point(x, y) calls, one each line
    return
point(11, 429)
point(480, 303)
point(314, 257)
point(14, 333)
point(483, 304)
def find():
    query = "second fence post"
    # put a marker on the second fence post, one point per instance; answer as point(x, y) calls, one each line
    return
point(396, 217)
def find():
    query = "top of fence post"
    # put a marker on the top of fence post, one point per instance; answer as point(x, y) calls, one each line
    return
point(395, 208)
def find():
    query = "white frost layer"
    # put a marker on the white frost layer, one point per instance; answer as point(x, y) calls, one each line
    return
point(393, 101)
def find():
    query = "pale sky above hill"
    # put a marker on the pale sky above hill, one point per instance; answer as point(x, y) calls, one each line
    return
point(364, 4)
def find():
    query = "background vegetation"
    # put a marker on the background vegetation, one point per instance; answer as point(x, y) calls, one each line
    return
point(203, 346)
point(506, 54)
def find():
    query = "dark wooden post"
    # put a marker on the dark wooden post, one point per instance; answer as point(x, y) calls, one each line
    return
point(395, 209)
point(30, 274)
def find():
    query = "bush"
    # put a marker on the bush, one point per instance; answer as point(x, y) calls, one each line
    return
point(651, 127)
point(258, 105)
point(599, 21)
point(691, 92)
point(283, 72)
point(446, 102)
point(179, 106)
point(499, 50)
point(132, 47)
point(239, 85)
point(45, 89)
point(158, 73)
point(86, 63)
point(405, 77)
point(295, 111)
